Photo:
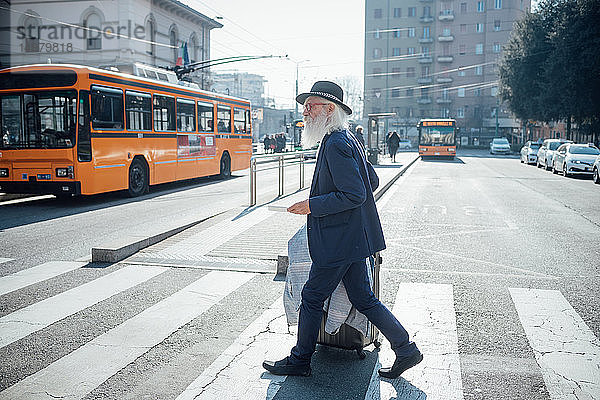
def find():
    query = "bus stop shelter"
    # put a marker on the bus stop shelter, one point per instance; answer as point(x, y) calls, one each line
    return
point(375, 137)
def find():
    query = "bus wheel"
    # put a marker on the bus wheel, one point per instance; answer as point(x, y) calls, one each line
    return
point(138, 178)
point(225, 167)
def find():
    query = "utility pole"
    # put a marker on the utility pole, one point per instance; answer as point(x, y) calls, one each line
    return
point(497, 109)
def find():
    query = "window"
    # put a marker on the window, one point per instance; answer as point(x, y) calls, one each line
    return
point(425, 51)
point(461, 72)
point(410, 51)
point(479, 48)
point(462, 49)
point(446, 49)
point(224, 119)
point(411, 32)
point(427, 11)
point(396, 72)
point(463, 28)
point(477, 92)
point(461, 92)
point(205, 117)
point(410, 92)
point(426, 32)
point(424, 92)
point(494, 91)
point(397, 33)
point(32, 41)
point(173, 43)
point(164, 113)
point(410, 72)
point(186, 115)
point(460, 113)
point(496, 47)
point(425, 71)
point(480, 6)
point(239, 121)
point(377, 34)
point(412, 11)
point(479, 28)
point(376, 53)
point(396, 52)
point(446, 32)
point(497, 25)
point(497, 4)
point(107, 108)
point(94, 32)
point(138, 110)
point(397, 12)
point(479, 70)
point(377, 13)
point(463, 8)
point(395, 93)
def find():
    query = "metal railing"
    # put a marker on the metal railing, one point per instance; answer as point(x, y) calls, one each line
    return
point(281, 158)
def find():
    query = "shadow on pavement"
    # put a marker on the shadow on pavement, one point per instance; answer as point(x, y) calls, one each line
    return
point(455, 160)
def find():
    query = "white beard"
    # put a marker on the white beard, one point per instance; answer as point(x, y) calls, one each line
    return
point(314, 130)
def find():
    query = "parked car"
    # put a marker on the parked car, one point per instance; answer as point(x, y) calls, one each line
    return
point(546, 152)
point(596, 170)
point(529, 152)
point(499, 145)
point(575, 159)
point(404, 144)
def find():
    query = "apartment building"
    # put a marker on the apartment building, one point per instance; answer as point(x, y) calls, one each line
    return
point(438, 59)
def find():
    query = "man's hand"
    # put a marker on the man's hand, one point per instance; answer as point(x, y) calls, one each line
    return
point(300, 208)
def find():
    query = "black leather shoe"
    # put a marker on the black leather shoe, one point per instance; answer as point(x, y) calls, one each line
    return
point(400, 365)
point(285, 367)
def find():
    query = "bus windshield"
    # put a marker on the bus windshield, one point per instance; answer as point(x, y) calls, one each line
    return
point(437, 136)
point(38, 120)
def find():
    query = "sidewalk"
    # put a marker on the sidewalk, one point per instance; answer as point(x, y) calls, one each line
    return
point(249, 239)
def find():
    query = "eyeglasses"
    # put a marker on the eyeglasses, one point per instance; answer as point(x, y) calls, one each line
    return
point(309, 106)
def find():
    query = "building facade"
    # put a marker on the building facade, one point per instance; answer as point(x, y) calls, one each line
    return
point(105, 32)
point(439, 59)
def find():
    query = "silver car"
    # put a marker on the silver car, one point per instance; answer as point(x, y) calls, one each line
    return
point(499, 146)
point(596, 170)
point(529, 152)
point(546, 152)
point(575, 159)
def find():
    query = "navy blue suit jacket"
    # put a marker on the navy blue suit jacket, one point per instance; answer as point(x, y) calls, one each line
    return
point(343, 225)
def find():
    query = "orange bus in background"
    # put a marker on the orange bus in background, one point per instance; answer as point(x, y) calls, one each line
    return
point(70, 129)
point(437, 137)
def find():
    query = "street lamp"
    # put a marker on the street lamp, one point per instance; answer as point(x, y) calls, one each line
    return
point(295, 102)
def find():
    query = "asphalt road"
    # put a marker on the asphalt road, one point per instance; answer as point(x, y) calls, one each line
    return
point(467, 241)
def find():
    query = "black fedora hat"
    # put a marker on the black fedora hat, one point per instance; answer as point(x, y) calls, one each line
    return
point(327, 90)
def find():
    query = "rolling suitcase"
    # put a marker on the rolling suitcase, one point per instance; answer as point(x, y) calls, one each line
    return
point(348, 337)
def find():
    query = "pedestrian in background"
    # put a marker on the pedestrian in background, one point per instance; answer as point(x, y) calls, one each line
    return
point(359, 135)
point(266, 143)
point(343, 229)
point(393, 144)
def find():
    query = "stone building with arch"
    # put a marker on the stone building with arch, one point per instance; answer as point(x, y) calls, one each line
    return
point(105, 32)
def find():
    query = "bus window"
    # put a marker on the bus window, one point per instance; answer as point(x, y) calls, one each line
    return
point(248, 122)
point(205, 117)
point(84, 142)
point(107, 108)
point(138, 109)
point(239, 122)
point(164, 113)
point(224, 119)
point(186, 115)
point(12, 125)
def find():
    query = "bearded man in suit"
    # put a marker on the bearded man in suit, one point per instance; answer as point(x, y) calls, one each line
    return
point(343, 231)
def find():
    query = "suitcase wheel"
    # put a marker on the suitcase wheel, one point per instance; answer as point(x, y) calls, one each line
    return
point(361, 354)
point(376, 343)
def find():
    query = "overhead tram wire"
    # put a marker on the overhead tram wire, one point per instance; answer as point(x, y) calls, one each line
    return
point(180, 71)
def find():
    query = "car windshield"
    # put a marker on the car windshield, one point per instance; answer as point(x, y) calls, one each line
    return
point(554, 145)
point(38, 120)
point(500, 141)
point(584, 150)
point(534, 145)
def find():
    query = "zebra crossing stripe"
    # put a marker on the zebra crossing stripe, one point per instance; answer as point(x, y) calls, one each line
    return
point(36, 274)
point(37, 316)
point(427, 312)
point(80, 372)
point(566, 350)
point(238, 372)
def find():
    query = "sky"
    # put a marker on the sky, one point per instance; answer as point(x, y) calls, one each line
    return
point(324, 38)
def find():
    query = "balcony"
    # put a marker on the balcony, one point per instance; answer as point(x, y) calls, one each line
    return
point(445, 38)
point(425, 60)
point(443, 79)
point(426, 19)
point(445, 59)
point(443, 100)
point(425, 40)
point(424, 80)
point(446, 15)
point(424, 100)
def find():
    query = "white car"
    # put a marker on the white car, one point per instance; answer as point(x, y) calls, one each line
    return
point(575, 159)
point(499, 146)
point(596, 170)
point(404, 144)
point(529, 152)
point(546, 152)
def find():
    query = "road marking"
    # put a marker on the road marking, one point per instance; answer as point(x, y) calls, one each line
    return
point(81, 371)
point(427, 208)
point(35, 317)
point(492, 230)
point(427, 312)
point(3, 260)
point(36, 274)
point(238, 372)
point(566, 350)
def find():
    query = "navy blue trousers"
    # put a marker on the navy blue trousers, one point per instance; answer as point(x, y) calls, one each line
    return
point(322, 281)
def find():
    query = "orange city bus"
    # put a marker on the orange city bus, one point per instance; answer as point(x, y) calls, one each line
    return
point(69, 129)
point(437, 137)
